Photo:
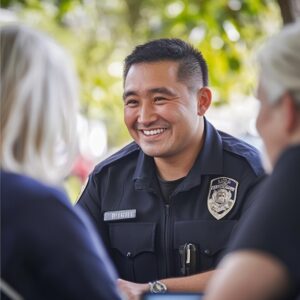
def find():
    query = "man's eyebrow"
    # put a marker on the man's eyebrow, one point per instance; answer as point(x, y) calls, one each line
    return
point(162, 90)
point(129, 93)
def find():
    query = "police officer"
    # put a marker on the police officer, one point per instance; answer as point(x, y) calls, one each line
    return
point(167, 203)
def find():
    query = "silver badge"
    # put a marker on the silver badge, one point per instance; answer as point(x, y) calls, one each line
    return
point(221, 196)
point(119, 215)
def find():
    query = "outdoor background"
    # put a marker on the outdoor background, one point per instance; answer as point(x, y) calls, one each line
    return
point(98, 34)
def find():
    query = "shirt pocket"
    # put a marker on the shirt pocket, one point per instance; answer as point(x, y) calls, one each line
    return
point(210, 238)
point(133, 250)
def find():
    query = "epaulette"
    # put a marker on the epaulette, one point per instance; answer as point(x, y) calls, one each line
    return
point(243, 149)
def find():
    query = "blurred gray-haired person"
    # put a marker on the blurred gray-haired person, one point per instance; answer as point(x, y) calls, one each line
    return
point(264, 254)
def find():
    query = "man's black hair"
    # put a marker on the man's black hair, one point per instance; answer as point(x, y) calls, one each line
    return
point(192, 66)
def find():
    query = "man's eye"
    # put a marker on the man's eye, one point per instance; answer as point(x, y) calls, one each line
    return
point(160, 99)
point(131, 102)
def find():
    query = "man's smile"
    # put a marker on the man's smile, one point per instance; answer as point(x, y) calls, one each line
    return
point(153, 131)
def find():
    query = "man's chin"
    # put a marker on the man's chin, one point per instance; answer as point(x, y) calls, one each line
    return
point(152, 151)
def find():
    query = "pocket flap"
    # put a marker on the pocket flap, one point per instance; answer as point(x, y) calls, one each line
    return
point(210, 236)
point(131, 239)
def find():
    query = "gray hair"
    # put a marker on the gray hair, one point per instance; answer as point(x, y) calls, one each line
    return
point(280, 64)
point(38, 92)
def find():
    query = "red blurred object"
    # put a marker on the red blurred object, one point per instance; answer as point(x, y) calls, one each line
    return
point(82, 168)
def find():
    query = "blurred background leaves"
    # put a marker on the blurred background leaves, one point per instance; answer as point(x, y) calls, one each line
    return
point(99, 34)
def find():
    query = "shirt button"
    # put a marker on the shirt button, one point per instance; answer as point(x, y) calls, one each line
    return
point(207, 252)
point(128, 254)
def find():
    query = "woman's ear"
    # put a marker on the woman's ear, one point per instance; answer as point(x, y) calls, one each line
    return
point(204, 100)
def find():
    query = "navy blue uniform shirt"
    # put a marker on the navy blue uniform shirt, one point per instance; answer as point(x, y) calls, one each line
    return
point(49, 250)
point(143, 234)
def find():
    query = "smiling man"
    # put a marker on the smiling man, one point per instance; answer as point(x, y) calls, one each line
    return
point(166, 204)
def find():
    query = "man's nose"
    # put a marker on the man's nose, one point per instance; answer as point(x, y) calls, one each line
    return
point(147, 114)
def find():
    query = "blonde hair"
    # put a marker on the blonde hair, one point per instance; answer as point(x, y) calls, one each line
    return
point(38, 92)
point(279, 62)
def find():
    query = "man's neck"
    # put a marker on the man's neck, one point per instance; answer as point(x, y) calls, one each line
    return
point(175, 167)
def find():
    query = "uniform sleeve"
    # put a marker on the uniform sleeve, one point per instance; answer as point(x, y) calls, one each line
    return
point(249, 198)
point(69, 256)
point(90, 202)
point(252, 193)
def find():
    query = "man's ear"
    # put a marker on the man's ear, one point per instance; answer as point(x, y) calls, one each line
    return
point(290, 113)
point(204, 100)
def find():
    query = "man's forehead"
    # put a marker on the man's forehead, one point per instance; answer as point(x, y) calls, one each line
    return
point(151, 75)
point(164, 67)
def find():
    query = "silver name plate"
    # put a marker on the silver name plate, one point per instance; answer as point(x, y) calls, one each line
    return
point(119, 215)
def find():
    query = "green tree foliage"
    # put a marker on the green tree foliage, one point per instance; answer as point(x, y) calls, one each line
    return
point(100, 33)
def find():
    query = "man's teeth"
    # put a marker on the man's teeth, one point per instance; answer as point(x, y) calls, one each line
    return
point(153, 132)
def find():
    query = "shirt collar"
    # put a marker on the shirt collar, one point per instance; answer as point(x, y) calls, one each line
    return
point(210, 158)
point(145, 172)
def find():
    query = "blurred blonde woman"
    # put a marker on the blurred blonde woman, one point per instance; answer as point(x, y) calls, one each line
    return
point(48, 250)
